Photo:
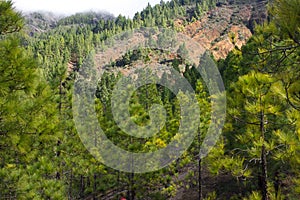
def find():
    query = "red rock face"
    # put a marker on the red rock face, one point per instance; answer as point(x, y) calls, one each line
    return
point(215, 30)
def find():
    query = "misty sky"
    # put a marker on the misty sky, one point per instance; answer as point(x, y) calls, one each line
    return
point(116, 7)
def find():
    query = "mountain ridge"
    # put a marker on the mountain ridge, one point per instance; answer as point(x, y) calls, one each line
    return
point(230, 24)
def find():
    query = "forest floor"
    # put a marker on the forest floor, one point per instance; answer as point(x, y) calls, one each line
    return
point(224, 185)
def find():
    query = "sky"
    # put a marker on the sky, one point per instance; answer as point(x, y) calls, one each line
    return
point(125, 7)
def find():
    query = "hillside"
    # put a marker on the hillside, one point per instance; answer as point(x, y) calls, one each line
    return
point(220, 29)
point(37, 22)
point(158, 123)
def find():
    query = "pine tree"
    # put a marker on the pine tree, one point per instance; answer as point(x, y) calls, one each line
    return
point(10, 20)
point(27, 121)
point(269, 102)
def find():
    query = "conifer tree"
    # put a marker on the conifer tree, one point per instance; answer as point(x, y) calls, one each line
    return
point(27, 121)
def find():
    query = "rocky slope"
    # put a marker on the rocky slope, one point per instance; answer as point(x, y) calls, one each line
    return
point(44, 21)
point(228, 25)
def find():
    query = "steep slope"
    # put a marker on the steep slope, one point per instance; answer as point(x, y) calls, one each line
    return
point(44, 21)
point(71, 39)
point(41, 21)
point(219, 30)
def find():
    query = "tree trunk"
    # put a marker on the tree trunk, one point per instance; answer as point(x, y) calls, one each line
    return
point(95, 175)
point(95, 187)
point(60, 112)
point(276, 183)
point(82, 186)
point(131, 190)
point(200, 179)
point(131, 178)
point(57, 155)
point(199, 169)
point(264, 175)
point(132, 187)
point(70, 185)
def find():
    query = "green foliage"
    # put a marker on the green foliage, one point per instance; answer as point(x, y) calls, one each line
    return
point(84, 18)
point(42, 156)
point(28, 122)
point(263, 109)
point(286, 15)
point(10, 21)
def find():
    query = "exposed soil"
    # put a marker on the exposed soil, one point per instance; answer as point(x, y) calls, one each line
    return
point(215, 30)
point(224, 185)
